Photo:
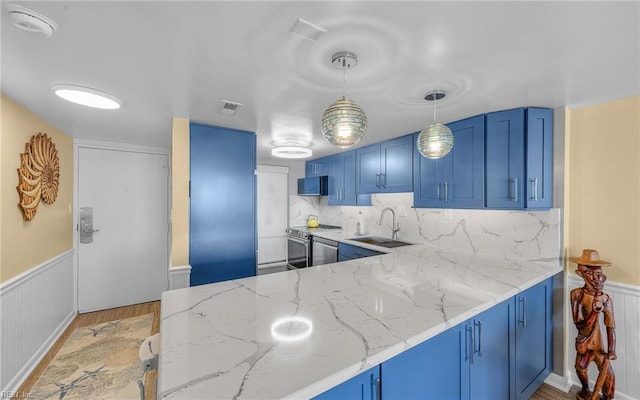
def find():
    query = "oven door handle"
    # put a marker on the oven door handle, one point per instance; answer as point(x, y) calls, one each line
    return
point(301, 241)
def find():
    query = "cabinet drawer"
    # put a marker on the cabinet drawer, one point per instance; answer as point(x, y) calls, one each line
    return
point(349, 251)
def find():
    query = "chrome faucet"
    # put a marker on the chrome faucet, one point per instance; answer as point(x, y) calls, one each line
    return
point(395, 227)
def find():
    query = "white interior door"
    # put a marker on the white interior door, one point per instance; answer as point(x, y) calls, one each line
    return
point(273, 214)
point(127, 260)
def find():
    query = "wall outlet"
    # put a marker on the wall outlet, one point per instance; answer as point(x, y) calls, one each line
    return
point(402, 211)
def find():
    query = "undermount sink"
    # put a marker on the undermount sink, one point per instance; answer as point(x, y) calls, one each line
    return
point(380, 241)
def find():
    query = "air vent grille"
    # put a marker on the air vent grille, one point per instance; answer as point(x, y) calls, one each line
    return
point(230, 107)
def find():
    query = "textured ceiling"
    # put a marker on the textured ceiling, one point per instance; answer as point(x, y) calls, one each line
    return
point(166, 59)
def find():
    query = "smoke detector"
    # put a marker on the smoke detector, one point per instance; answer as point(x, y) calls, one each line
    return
point(31, 21)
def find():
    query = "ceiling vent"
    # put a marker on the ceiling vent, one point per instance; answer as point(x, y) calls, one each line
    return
point(31, 21)
point(230, 107)
point(307, 30)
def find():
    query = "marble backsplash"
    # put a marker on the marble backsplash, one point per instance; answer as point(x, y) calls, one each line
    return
point(532, 235)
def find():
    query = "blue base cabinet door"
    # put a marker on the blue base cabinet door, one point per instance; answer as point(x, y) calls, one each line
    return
point(429, 371)
point(365, 386)
point(533, 338)
point(489, 353)
point(222, 218)
point(457, 179)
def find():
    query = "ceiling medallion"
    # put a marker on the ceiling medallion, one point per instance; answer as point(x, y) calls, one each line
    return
point(344, 123)
point(436, 140)
point(38, 175)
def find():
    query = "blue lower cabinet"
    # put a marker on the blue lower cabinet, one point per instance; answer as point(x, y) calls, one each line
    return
point(502, 353)
point(365, 386)
point(488, 352)
point(533, 338)
point(430, 370)
point(469, 361)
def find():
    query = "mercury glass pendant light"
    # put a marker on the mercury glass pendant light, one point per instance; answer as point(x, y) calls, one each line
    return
point(344, 123)
point(436, 140)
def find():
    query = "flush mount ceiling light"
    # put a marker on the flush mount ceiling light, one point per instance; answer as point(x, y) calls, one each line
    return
point(436, 140)
point(344, 123)
point(31, 21)
point(86, 96)
point(291, 148)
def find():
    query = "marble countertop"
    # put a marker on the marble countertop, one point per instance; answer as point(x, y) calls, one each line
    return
point(295, 334)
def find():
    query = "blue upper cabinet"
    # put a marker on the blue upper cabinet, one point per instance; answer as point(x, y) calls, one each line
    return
point(505, 159)
point(457, 179)
point(222, 222)
point(342, 181)
point(385, 167)
point(318, 167)
point(539, 188)
point(519, 164)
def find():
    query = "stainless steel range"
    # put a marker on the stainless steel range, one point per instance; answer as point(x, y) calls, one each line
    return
point(299, 245)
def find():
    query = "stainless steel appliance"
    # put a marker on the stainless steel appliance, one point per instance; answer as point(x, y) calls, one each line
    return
point(324, 251)
point(299, 252)
point(298, 249)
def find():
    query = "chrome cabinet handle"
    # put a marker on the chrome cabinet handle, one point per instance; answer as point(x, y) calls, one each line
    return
point(378, 389)
point(438, 191)
point(515, 189)
point(479, 325)
point(534, 196)
point(377, 180)
point(468, 337)
point(446, 192)
point(523, 314)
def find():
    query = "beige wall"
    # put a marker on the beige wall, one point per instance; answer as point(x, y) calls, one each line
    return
point(24, 245)
point(603, 185)
point(180, 193)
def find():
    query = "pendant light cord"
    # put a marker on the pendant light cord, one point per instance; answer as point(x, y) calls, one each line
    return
point(344, 72)
point(435, 105)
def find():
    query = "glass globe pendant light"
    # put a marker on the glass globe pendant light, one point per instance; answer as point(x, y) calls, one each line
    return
point(344, 123)
point(436, 140)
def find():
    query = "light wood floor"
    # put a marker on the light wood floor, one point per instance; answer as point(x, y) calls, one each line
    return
point(97, 318)
point(545, 392)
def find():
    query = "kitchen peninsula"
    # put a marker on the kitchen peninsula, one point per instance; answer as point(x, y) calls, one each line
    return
point(296, 334)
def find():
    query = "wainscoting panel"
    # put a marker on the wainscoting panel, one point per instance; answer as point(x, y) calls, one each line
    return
point(626, 309)
point(35, 309)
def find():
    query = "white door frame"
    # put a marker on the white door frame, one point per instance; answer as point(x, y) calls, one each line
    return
point(102, 145)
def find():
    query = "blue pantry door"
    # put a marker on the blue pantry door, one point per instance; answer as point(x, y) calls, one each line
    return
point(222, 243)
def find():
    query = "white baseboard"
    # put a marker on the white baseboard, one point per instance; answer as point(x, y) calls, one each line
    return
point(559, 382)
point(179, 277)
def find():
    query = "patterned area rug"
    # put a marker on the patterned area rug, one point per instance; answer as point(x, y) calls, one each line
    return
point(97, 362)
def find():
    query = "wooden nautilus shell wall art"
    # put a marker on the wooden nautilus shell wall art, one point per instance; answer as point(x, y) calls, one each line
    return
point(39, 174)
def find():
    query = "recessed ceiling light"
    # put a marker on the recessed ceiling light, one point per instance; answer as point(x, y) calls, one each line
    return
point(31, 21)
point(86, 96)
point(291, 152)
